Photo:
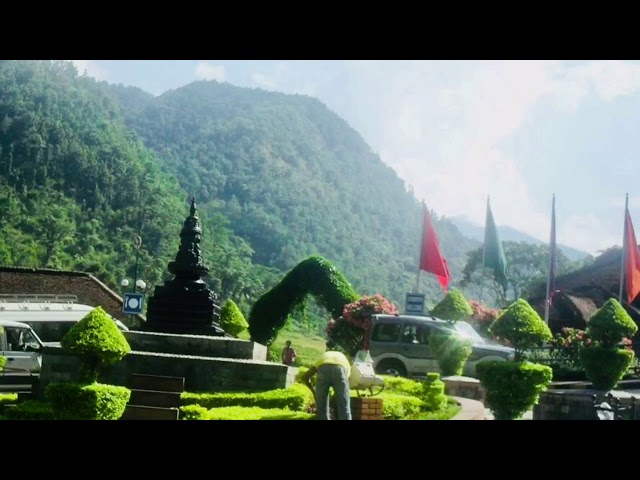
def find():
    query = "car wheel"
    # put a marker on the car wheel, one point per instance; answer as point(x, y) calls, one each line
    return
point(391, 367)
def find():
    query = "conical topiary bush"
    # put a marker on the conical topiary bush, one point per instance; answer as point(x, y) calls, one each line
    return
point(514, 387)
point(97, 341)
point(521, 325)
point(231, 319)
point(605, 362)
point(610, 324)
point(453, 307)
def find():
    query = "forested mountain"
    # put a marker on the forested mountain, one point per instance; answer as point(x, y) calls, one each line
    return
point(293, 178)
point(86, 166)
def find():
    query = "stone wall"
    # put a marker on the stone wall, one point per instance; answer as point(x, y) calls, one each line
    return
point(574, 404)
point(202, 374)
point(88, 289)
point(465, 387)
point(198, 345)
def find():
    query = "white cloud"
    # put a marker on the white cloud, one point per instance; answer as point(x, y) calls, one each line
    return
point(441, 125)
point(272, 80)
point(579, 231)
point(634, 203)
point(208, 71)
point(92, 68)
point(264, 81)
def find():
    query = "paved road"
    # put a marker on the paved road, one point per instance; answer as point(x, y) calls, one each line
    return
point(526, 416)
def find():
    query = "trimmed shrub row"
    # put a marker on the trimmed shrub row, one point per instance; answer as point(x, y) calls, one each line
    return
point(297, 397)
point(72, 401)
point(30, 410)
point(196, 412)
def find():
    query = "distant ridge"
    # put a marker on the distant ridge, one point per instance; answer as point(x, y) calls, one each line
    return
point(507, 233)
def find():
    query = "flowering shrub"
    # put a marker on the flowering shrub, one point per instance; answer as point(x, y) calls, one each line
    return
point(482, 317)
point(566, 346)
point(350, 331)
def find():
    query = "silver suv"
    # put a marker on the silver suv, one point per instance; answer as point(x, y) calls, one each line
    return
point(399, 345)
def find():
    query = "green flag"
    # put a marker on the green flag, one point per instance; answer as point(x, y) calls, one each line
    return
point(493, 256)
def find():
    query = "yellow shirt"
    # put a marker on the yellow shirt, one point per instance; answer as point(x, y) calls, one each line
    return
point(335, 358)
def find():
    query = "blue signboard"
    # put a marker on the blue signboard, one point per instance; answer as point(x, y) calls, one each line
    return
point(133, 303)
point(414, 304)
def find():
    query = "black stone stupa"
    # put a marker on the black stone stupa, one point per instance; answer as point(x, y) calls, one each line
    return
point(185, 305)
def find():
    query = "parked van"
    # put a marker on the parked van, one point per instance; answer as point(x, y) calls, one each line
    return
point(50, 316)
point(399, 345)
point(22, 348)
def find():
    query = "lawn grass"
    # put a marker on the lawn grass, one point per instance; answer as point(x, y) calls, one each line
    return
point(447, 413)
point(309, 347)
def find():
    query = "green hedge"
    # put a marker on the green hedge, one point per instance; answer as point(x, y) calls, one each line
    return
point(512, 387)
point(8, 398)
point(313, 276)
point(402, 385)
point(396, 406)
point(231, 319)
point(243, 413)
point(72, 401)
point(3, 362)
point(193, 412)
point(30, 410)
point(297, 397)
point(605, 366)
point(451, 352)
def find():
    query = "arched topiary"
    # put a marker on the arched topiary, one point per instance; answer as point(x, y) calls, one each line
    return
point(521, 325)
point(453, 307)
point(610, 324)
point(97, 341)
point(231, 319)
point(313, 276)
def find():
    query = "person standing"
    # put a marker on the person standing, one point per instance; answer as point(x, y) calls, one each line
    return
point(332, 370)
point(289, 354)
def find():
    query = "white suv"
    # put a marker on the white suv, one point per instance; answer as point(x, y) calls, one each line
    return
point(22, 348)
point(399, 345)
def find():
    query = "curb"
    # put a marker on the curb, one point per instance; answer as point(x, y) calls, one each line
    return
point(471, 409)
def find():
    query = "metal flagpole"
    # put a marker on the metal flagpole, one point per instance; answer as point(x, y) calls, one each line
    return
point(417, 290)
point(624, 244)
point(484, 247)
point(552, 245)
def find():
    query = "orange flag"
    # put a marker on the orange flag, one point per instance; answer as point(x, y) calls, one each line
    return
point(431, 259)
point(632, 261)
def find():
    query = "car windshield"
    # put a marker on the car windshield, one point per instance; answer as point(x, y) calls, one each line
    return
point(467, 331)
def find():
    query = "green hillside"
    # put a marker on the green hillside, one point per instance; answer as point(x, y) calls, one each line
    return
point(294, 180)
point(86, 166)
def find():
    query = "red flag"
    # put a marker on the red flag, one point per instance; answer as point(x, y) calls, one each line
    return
point(431, 260)
point(632, 261)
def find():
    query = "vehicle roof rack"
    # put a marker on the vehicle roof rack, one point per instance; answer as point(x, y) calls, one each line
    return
point(27, 298)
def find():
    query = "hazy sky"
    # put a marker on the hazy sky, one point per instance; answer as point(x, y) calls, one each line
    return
point(458, 131)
